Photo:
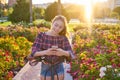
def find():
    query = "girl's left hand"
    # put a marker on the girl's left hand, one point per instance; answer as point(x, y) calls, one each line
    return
point(60, 52)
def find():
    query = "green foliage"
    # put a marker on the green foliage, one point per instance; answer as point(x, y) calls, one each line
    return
point(117, 9)
point(10, 10)
point(20, 12)
point(42, 23)
point(4, 24)
point(39, 13)
point(114, 15)
point(52, 11)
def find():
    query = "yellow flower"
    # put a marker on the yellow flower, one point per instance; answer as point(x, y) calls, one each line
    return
point(83, 55)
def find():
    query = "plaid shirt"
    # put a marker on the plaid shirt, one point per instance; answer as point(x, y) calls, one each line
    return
point(44, 41)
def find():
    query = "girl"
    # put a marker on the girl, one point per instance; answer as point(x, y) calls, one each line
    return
point(53, 44)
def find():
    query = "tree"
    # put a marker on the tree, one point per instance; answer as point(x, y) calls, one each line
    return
point(101, 11)
point(75, 11)
point(39, 13)
point(114, 15)
point(117, 10)
point(52, 10)
point(31, 18)
point(1, 9)
point(20, 12)
point(59, 6)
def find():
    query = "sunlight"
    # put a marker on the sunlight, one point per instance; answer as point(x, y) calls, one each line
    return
point(42, 1)
point(99, 0)
point(67, 1)
point(88, 11)
point(88, 15)
point(88, 8)
point(86, 3)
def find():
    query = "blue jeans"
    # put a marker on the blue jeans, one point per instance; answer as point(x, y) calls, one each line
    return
point(46, 69)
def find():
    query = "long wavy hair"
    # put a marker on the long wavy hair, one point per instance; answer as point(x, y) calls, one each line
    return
point(63, 19)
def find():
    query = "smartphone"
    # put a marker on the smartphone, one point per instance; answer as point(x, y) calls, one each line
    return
point(55, 47)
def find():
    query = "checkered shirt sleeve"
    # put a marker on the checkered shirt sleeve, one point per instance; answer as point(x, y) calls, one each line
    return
point(67, 47)
point(37, 44)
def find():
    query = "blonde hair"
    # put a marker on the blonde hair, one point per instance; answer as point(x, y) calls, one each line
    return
point(63, 19)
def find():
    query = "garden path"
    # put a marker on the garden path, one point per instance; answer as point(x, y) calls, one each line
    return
point(32, 72)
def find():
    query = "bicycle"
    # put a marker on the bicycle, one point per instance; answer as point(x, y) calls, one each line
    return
point(34, 60)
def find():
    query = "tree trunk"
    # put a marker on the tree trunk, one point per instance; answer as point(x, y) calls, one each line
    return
point(59, 6)
point(31, 11)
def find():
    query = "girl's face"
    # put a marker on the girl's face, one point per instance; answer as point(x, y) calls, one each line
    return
point(57, 26)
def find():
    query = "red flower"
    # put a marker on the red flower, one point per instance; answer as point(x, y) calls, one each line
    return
point(7, 59)
point(17, 63)
point(93, 77)
point(6, 53)
point(10, 74)
point(119, 65)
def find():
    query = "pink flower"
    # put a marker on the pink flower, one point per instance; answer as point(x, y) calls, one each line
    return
point(114, 65)
point(118, 54)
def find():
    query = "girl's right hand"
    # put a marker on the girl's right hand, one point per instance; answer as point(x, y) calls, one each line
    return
point(50, 51)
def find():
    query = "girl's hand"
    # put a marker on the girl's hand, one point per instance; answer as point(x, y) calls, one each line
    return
point(60, 52)
point(50, 51)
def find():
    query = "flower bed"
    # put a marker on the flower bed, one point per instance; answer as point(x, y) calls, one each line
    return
point(12, 54)
point(97, 53)
point(99, 49)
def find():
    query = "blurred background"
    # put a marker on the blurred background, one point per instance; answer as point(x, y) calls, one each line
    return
point(94, 34)
point(107, 11)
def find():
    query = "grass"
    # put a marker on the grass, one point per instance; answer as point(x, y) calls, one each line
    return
point(71, 26)
point(4, 24)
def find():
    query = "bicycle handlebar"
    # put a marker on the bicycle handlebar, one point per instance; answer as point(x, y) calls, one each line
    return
point(34, 60)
